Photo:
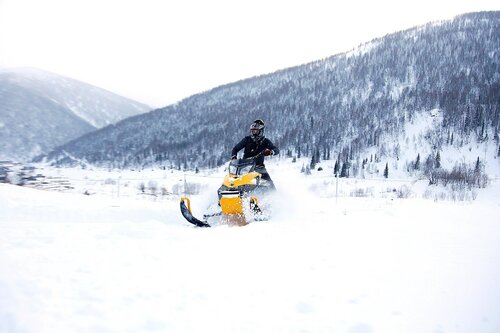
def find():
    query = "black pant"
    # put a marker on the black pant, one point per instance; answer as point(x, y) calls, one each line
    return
point(265, 175)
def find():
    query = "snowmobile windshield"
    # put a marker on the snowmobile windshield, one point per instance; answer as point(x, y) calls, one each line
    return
point(241, 167)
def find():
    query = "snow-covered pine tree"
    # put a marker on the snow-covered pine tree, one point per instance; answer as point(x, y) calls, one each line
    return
point(437, 161)
point(416, 166)
point(344, 171)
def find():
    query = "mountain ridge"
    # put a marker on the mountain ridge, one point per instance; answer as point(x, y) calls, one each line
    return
point(42, 82)
point(338, 107)
point(40, 110)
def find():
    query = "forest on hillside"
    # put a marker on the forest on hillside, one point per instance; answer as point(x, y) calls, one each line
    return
point(335, 108)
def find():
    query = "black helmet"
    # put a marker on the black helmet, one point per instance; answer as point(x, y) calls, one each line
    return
point(257, 130)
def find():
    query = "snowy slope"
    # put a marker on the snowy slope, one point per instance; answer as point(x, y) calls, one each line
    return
point(419, 137)
point(122, 261)
point(94, 105)
point(31, 125)
point(41, 110)
point(340, 106)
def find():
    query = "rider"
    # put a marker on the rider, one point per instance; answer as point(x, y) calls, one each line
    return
point(257, 144)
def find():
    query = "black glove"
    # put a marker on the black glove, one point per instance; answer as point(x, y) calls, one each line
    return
point(267, 152)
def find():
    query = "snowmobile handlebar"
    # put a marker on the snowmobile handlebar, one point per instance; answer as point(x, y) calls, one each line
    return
point(257, 156)
point(248, 158)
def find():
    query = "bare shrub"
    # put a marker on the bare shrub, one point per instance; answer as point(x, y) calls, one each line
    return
point(403, 192)
point(460, 177)
point(450, 194)
point(153, 187)
point(187, 188)
point(109, 181)
point(361, 192)
point(164, 191)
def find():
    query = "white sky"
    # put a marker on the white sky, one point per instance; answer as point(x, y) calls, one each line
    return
point(159, 52)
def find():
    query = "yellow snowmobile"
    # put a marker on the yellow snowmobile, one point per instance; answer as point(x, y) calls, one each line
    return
point(238, 196)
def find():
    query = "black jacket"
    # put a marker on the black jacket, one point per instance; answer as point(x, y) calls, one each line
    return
point(252, 149)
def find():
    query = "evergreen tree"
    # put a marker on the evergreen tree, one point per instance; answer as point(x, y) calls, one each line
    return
point(344, 172)
point(336, 168)
point(482, 133)
point(312, 165)
point(467, 122)
point(477, 168)
point(437, 161)
point(417, 163)
point(386, 170)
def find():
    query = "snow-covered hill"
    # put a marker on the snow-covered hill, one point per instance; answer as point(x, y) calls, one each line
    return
point(350, 107)
point(96, 106)
point(328, 260)
point(40, 110)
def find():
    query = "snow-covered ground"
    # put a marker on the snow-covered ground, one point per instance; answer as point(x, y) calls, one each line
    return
point(354, 256)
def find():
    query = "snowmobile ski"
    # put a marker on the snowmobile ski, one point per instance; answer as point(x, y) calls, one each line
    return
point(186, 212)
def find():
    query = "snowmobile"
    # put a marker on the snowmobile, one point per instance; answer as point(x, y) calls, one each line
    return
point(238, 196)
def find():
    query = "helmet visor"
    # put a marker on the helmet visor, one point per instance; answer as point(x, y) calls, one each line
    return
point(255, 131)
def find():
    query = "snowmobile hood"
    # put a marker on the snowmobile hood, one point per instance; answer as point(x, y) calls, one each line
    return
point(233, 181)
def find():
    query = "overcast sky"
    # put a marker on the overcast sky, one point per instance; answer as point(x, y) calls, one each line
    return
point(161, 51)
